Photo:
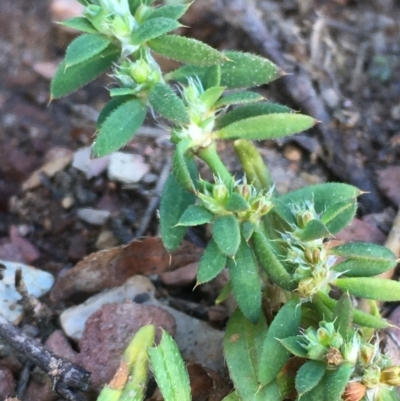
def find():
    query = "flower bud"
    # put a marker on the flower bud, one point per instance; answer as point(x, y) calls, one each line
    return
point(354, 391)
point(303, 218)
point(336, 340)
point(367, 353)
point(220, 193)
point(324, 337)
point(139, 71)
point(391, 376)
point(372, 376)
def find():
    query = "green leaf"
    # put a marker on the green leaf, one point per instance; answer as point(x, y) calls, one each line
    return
point(337, 382)
point(114, 92)
point(209, 76)
point(152, 29)
point(294, 345)
point(273, 354)
point(268, 126)
point(173, 11)
point(85, 47)
point(169, 370)
point(322, 196)
point(245, 70)
point(364, 259)
point(378, 289)
point(80, 24)
point(343, 316)
point(359, 317)
point(168, 104)
point(226, 234)
point(195, 215)
point(112, 105)
point(317, 393)
point(180, 166)
point(251, 110)
point(224, 294)
point(211, 95)
point(186, 50)
point(246, 284)
point(247, 229)
point(68, 80)
point(119, 127)
point(136, 359)
point(174, 201)
point(236, 203)
point(335, 210)
point(253, 164)
point(241, 344)
point(239, 98)
point(313, 230)
point(270, 262)
point(309, 375)
point(133, 5)
point(211, 263)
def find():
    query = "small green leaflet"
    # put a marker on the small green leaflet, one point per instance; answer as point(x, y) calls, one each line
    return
point(80, 24)
point(245, 70)
point(110, 107)
point(174, 11)
point(309, 375)
point(169, 370)
point(180, 167)
point(226, 234)
point(274, 355)
point(119, 127)
point(168, 104)
point(185, 50)
point(195, 215)
point(152, 29)
point(68, 80)
point(251, 110)
point(246, 284)
point(85, 47)
point(270, 126)
point(174, 201)
point(211, 263)
point(239, 98)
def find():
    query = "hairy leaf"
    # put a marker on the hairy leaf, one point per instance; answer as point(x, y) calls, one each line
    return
point(152, 29)
point(174, 201)
point(378, 289)
point(273, 354)
point(186, 50)
point(195, 215)
point(363, 259)
point(239, 98)
point(119, 127)
point(85, 47)
point(173, 11)
point(80, 24)
point(68, 80)
point(169, 370)
point(226, 234)
point(268, 126)
point(168, 104)
point(211, 263)
point(245, 70)
point(246, 285)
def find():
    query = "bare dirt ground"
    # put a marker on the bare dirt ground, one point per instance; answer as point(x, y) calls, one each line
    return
point(343, 64)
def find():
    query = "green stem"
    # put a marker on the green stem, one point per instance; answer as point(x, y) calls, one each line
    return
point(210, 156)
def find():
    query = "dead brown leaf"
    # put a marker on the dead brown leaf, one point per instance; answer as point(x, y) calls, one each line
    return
point(112, 267)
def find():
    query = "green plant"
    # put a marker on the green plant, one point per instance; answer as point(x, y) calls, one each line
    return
point(314, 347)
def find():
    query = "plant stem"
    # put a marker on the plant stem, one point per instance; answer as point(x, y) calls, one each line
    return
point(210, 156)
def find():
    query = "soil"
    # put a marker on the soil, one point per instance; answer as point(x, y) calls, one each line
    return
point(349, 49)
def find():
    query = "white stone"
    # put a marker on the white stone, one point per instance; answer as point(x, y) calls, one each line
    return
point(127, 168)
point(93, 216)
point(37, 283)
point(91, 167)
